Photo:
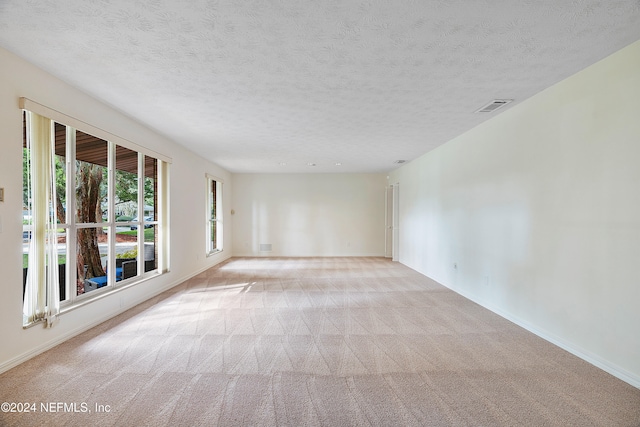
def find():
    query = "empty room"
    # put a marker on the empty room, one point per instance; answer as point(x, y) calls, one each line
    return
point(297, 213)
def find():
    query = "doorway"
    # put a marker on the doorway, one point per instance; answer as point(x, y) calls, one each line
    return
point(392, 221)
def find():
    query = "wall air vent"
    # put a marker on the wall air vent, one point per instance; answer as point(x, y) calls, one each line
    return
point(265, 247)
point(494, 105)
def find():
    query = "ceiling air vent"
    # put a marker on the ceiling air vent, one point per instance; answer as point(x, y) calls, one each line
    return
point(494, 105)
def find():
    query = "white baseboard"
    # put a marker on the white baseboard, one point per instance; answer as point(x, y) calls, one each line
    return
point(583, 354)
point(279, 255)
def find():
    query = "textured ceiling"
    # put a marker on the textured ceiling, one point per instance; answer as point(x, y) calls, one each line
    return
point(253, 84)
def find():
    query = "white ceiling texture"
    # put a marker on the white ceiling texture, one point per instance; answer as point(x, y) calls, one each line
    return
point(273, 85)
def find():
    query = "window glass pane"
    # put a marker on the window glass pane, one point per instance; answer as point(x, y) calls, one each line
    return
point(150, 247)
point(63, 256)
point(26, 238)
point(218, 228)
point(62, 259)
point(91, 178)
point(27, 214)
point(212, 199)
point(60, 162)
point(126, 253)
point(126, 180)
point(26, 185)
point(91, 256)
point(214, 224)
point(150, 189)
point(214, 244)
point(61, 172)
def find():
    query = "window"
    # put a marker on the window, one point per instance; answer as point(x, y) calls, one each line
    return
point(94, 206)
point(214, 215)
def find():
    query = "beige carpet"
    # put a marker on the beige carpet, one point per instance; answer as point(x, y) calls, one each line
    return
point(314, 342)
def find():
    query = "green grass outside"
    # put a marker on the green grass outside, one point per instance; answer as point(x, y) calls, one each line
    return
point(149, 234)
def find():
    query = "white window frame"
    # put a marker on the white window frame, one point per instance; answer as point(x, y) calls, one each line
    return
point(71, 226)
point(210, 219)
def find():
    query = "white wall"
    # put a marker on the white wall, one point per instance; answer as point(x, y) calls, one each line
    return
point(309, 214)
point(187, 208)
point(539, 208)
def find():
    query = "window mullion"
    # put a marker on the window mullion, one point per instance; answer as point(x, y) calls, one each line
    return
point(163, 216)
point(111, 238)
point(141, 210)
point(219, 216)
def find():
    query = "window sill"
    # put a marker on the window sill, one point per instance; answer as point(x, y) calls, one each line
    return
point(104, 292)
point(217, 251)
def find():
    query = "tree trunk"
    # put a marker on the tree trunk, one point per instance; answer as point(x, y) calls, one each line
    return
point(60, 209)
point(88, 197)
point(100, 231)
point(89, 252)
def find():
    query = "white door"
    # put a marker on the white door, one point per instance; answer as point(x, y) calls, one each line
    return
point(388, 245)
point(395, 231)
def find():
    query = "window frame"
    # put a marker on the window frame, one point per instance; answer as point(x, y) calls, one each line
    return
point(210, 201)
point(72, 224)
